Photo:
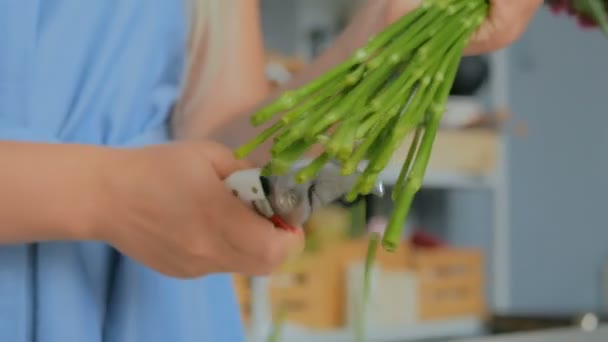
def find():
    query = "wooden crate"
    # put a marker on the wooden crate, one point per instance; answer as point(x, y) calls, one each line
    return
point(355, 251)
point(242, 289)
point(312, 288)
point(309, 289)
point(450, 283)
point(392, 303)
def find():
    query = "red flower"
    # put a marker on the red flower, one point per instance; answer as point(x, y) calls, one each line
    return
point(559, 6)
point(584, 20)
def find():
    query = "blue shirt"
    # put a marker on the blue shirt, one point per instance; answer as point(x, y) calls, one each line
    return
point(102, 72)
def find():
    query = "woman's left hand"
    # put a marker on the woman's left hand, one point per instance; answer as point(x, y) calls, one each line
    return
point(506, 22)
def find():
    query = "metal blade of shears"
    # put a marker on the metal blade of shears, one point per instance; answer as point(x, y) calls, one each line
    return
point(290, 204)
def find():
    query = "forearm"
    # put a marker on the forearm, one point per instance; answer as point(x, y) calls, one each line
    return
point(369, 19)
point(239, 82)
point(49, 192)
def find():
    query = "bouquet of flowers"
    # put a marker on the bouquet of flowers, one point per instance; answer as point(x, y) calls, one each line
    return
point(588, 13)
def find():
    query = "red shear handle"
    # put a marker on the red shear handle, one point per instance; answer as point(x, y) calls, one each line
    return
point(281, 224)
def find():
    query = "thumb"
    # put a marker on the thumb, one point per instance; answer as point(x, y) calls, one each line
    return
point(223, 160)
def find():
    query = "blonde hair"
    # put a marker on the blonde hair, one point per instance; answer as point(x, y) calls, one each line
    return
point(208, 22)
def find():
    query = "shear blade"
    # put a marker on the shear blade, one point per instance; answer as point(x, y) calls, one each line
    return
point(295, 202)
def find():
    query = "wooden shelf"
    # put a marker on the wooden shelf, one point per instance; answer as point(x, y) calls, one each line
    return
point(449, 329)
point(460, 158)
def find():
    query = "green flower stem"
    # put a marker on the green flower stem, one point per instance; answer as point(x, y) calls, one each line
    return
point(322, 139)
point(403, 83)
point(407, 42)
point(330, 91)
point(600, 12)
point(378, 145)
point(451, 26)
point(249, 147)
point(372, 250)
point(343, 140)
point(368, 86)
point(329, 82)
point(286, 141)
point(290, 98)
point(312, 169)
point(347, 145)
point(304, 119)
point(337, 72)
point(405, 197)
point(333, 116)
point(297, 130)
point(350, 165)
point(277, 330)
point(366, 125)
point(381, 159)
point(445, 78)
point(281, 164)
point(414, 112)
point(378, 81)
point(405, 169)
point(364, 107)
point(439, 34)
point(350, 101)
point(337, 138)
point(413, 71)
point(365, 182)
point(355, 76)
point(393, 31)
point(284, 102)
point(336, 113)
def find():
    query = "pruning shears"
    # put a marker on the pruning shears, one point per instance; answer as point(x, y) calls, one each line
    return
point(289, 204)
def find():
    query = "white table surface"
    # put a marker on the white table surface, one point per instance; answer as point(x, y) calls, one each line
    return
point(558, 335)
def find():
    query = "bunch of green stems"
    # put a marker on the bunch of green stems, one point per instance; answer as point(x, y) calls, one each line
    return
point(362, 110)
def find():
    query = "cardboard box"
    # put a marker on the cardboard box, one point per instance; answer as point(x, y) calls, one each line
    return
point(393, 300)
point(242, 289)
point(450, 283)
point(309, 290)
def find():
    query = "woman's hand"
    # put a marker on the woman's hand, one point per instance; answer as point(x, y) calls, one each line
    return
point(507, 21)
point(170, 210)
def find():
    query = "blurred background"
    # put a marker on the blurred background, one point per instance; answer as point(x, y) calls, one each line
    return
point(509, 232)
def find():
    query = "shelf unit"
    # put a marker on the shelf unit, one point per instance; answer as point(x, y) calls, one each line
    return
point(447, 180)
point(494, 181)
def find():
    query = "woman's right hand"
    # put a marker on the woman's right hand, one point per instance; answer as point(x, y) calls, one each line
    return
point(169, 209)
